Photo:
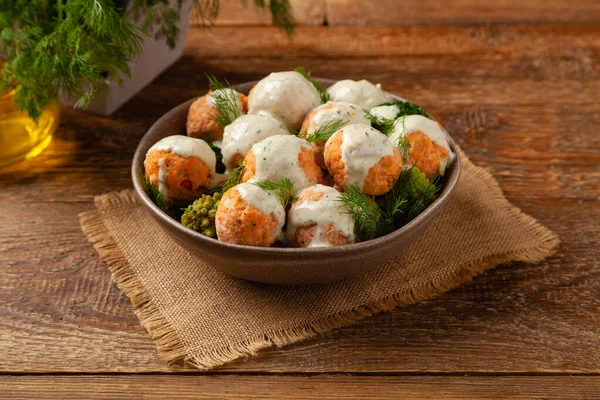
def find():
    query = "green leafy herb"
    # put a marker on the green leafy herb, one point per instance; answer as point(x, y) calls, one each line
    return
point(403, 143)
point(160, 200)
point(226, 101)
point(326, 130)
point(283, 188)
point(408, 108)
point(364, 210)
point(281, 11)
point(73, 46)
point(378, 216)
point(322, 91)
point(220, 167)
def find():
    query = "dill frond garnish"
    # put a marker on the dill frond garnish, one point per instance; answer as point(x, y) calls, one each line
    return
point(159, 199)
point(403, 143)
point(364, 210)
point(375, 217)
point(235, 176)
point(281, 11)
point(283, 188)
point(226, 101)
point(408, 108)
point(322, 91)
point(326, 130)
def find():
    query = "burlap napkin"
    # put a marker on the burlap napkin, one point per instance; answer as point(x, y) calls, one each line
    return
point(202, 317)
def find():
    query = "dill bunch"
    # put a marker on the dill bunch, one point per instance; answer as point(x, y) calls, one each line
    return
point(74, 45)
point(364, 210)
point(162, 202)
point(378, 216)
point(325, 131)
point(283, 188)
point(225, 101)
point(322, 91)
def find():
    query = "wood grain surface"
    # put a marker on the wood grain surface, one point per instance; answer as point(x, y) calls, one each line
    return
point(414, 12)
point(306, 387)
point(521, 100)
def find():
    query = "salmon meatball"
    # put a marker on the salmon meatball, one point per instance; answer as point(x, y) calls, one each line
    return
point(318, 219)
point(362, 156)
point(250, 216)
point(201, 115)
point(429, 149)
point(288, 96)
point(282, 156)
point(326, 114)
point(181, 167)
point(363, 93)
point(246, 131)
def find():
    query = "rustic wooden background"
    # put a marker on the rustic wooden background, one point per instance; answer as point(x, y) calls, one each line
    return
point(516, 83)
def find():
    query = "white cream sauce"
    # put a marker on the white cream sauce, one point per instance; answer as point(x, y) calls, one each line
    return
point(362, 148)
point(385, 112)
point(321, 213)
point(266, 202)
point(363, 93)
point(432, 129)
point(277, 157)
point(245, 131)
point(162, 177)
point(288, 96)
point(334, 111)
point(227, 93)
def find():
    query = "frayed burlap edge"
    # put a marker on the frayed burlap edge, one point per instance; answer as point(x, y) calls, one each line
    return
point(174, 351)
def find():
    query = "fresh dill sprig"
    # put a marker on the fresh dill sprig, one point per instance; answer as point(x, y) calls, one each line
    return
point(235, 176)
point(403, 143)
point(226, 101)
point(283, 188)
point(280, 10)
point(366, 213)
point(322, 91)
point(326, 130)
point(375, 217)
point(158, 198)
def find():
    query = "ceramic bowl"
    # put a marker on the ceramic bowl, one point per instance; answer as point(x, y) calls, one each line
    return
point(275, 265)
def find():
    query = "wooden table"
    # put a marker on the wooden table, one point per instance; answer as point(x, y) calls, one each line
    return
point(521, 100)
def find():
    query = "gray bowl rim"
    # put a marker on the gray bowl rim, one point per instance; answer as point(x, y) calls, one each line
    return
point(139, 156)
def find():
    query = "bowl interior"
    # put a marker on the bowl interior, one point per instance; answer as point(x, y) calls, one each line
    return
point(173, 123)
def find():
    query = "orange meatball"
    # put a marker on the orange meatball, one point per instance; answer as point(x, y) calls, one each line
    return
point(250, 216)
point(424, 154)
point(328, 113)
point(364, 157)
point(201, 117)
point(186, 178)
point(318, 219)
point(282, 156)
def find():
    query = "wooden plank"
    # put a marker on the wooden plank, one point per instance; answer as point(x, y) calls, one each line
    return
point(545, 43)
point(526, 112)
point(298, 387)
point(234, 13)
point(413, 12)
